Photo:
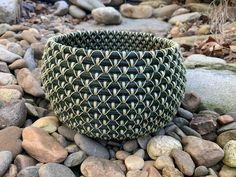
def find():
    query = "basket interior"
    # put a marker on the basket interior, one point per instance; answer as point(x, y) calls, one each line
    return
point(114, 41)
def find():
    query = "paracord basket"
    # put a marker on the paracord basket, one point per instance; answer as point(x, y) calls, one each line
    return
point(113, 84)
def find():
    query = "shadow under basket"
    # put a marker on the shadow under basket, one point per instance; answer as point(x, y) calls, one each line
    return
point(113, 84)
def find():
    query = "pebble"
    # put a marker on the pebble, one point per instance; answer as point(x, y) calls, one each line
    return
point(130, 145)
point(133, 162)
point(121, 164)
point(3, 67)
point(29, 36)
point(227, 171)
point(75, 159)
point(8, 56)
point(32, 171)
point(230, 153)
point(71, 148)
point(7, 79)
point(162, 145)
point(62, 8)
point(67, 132)
point(122, 155)
point(180, 11)
point(41, 146)
point(212, 173)
point(6, 158)
point(99, 167)
point(225, 119)
point(54, 169)
point(225, 137)
point(60, 139)
point(87, 4)
point(29, 59)
point(15, 48)
point(203, 152)
point(201, 171)
point(91, 147)
point(31, 110)
point(18, 64)
point(164, 161)
point(48, 123)
point(171, 172)
point(203, 125)
point(185, 114)
point(230, 126)
point(148, 164)
point(76, 12)
point(189, 131)
point(183, 161)
point(136, 11)
point(30, 84)
point(135, 173)
point(23, 161)
point(165, 12)
point(191, 101)
point(210, 136)
point(11, 172)
point(143, 141)
point(38, 49)
point(179, 121)
point(107, 16)
point(9, 95)
point(153, 172)
point(185, 18)
point(140, 153)
point(4, 27)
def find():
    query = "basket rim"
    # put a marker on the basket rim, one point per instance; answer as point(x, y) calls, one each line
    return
point(174, 46)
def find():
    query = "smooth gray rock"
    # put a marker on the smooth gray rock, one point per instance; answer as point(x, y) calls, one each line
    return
point(91, 147)
point(7, 79)
point(185, 17)
point(4, 28)
point(214, 86)
point(5, 161)
point(75, 159)
point(155, 26)
point(67, 132)
point(76, 12)
point(7, 56)
point(55, 170)
point(29, 58)
point(87, 4)
point(32, 171)
point(9, 11)
point(62, 8)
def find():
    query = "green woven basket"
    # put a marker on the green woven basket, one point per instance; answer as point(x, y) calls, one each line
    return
point(113, 85)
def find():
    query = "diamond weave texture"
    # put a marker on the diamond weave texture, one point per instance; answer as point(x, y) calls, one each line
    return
point(113, 85)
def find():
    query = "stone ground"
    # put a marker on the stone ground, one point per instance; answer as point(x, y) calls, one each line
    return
point(200, 141)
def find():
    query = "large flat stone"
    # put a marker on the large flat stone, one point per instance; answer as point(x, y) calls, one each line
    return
point(152, 25)
point(216, 87)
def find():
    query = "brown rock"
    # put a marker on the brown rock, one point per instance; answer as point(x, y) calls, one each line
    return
point(11, 172)
point(29, 36)
point(10, 140)
point(135, 173)
point(7, 79)
point(225, 137)
point(191, 101)
point(122, 155)
point(136, 11)
point(148, 164)
point(153, 172)
point(41, 146)
point(227, 172)
point(23, 161)
point(166, 11)
point(171, 172)
point(3, 67)
point(203, 152)
point(8, 95)
point(48, 123)
point(225, 119)
point(164, 161)
point(98, 167)
point(18, 64)
point(29, 83)
point(133, 162)
point(203, 124)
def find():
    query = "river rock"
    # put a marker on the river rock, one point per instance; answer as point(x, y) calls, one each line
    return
point(15, 48)
point(32, 171)
point(23, 161)
point(225, 137)
point(185, 17)
point(29, 83)
point(6, 158)
point(29, 36)
point(4, 27)
point(9, 11)
point(227, 171)
point(134, 173)
point(7, 79)
point(130, 145)
point(136, 11)
point(162, 145)
point(41, 146)
point(99, 167)
point(134, 162)
point(11, 143)
point(8, 56)
point(29, 59)
point(3, 67)
point(180, 11)
point(67, 132)
point(18, 64)
point(75, 159)
point(121, 155)
point(107, 16)
point(87, 4)
point(225, 119)
point(191, 101)
point(76, 12)
point(203, 152)
point(143, 141)
point(163, 161)
point(62, 8)
point(91, 147)
point(201, 171)
point(11, 172)
point(54, 169)
point(165, 12)
point(48, 123)
point(9, 95)
point(230, 153)
point(171, 172)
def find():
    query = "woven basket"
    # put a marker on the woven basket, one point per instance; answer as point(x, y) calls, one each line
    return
point(113, 85)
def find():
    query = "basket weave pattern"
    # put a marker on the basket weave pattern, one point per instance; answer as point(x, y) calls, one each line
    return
point(113, 85)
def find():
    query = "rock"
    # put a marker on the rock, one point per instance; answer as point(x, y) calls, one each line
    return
point(9, 95)
point(12, 143)
point(54, 169)
point(41, 146)
point(162, 145)
point(171, 172)
point(13, 113)
point(230, 126)
point(190, 132)
point(140, 153)
point(121, 164)
point(60, 139)
point(31, 110)
point(29, 36)
point(204, 29)
point(15, 48)
point(203, 125)
point(201, 171)
point(37, 49)
point(91, 147)
point(62, 8)
point(48, 123)
point(67, 132)
point(122, 155)
point(76, 12)
point(153, 172)
point(203, 152)
point(71, 148)
point(183, 161)
point(98, 167)
point(163, 161)
point(3, 67)
point(225, 137)
point(227, 171)
point(6, 158)
point(185, 17)
point(107, 16)
point(133, 162)
point(210, 136)
point(75, 159)
point(185, 114)
point(9, 11)
point(29, 83)
point(155, 26)
point(11, 172)
point(116, 2)
point(191, 101)
point(87, 4)
point(130, 146)
point(200, 7)
point(7, 79)
point(32, 171)
point(134, 173)
point(136, 11)
point(18, 64)
point(203, 82)
point(143, 141)
point(29, 59)
point(156, 3)
point(8, 56)
point(179, 121)
point(180, 11)
point(23, 161)
point(165, 12)
point(4, 27)
point(230, 153)
point(225, 119)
